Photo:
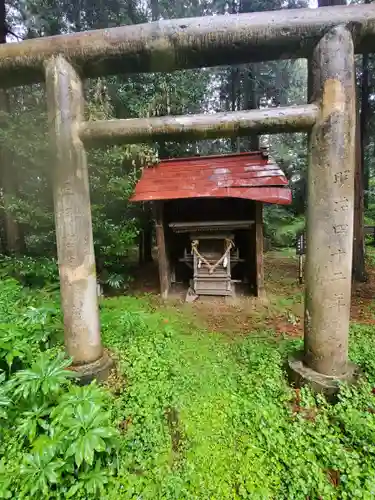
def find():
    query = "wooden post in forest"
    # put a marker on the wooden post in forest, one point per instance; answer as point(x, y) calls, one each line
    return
point(359, 274)
point(164, 271)
point(259, 249)
point(73, 221)
point(330, 215)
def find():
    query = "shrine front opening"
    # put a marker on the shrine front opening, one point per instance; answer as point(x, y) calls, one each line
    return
point(328, 36)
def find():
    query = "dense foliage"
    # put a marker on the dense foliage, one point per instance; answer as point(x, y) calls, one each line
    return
point(190, 414)
point(57, 439)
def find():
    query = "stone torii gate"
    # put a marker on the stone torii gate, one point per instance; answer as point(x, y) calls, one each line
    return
point(329, 36)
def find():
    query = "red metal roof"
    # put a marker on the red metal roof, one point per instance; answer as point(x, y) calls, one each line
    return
point(251, 176)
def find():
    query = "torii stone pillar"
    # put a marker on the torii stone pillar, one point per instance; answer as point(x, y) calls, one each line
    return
point(73, 221)
point(330, 216)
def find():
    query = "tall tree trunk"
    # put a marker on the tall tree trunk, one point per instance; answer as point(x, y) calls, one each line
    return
point(252, 142)
point(13, 238)
point(145, 238)
point(361, 176)
point(155, 10)
point(234, 88)
point(235, 101)
point(140, 248)
point(365, 116)
point(359, 271)
point(361, 179)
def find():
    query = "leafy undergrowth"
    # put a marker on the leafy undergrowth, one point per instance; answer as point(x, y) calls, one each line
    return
point(191, 415)
point(57, 440)
point(211, 419)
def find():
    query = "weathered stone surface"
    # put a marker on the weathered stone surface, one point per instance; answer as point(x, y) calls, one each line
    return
point(300, 374)
point(187, 43)
point(330, 207)
point(199, 126)
point(73, 214)
point(98, 370)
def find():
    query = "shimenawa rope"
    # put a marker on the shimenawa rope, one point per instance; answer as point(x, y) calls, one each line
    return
point(211, 267)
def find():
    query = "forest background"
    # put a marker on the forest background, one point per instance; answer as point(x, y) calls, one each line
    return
point(27, 232)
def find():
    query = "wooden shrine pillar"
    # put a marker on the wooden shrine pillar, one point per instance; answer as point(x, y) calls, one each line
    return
point(74, 238)
point(163, 262)
point(330, 216)
point(259, 244)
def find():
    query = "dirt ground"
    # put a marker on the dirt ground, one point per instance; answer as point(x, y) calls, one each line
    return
point(281, 309)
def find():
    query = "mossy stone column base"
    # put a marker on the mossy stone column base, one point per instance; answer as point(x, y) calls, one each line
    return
point(301, 375)
point(99, 370)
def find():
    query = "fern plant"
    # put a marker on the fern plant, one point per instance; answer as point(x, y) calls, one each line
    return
point(44, 380)
point(91, 484)
point(39, 471)
point(63, 431)
point(5, 481)
point(78, 395)
point(41, 324)
point(32, 422)
point(14, 346)
point(72, 451)
point(5, 400)
point(115, 281)
point(86, 429)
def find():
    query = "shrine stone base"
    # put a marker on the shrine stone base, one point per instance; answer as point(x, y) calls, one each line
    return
point(301, 375)
point(98, 370)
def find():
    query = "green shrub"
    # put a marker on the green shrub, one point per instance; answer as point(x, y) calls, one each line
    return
point(29, 271)
point(26, 328)
point(281, 226)
point(65, 439)
point(11, 298)
point(43, 272)
point(286, 234)
point(370, 214)
point(56, 439)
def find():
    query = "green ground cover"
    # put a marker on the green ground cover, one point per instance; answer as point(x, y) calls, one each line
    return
point(191, 413)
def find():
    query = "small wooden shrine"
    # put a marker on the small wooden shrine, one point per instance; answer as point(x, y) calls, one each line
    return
point(208, 217)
